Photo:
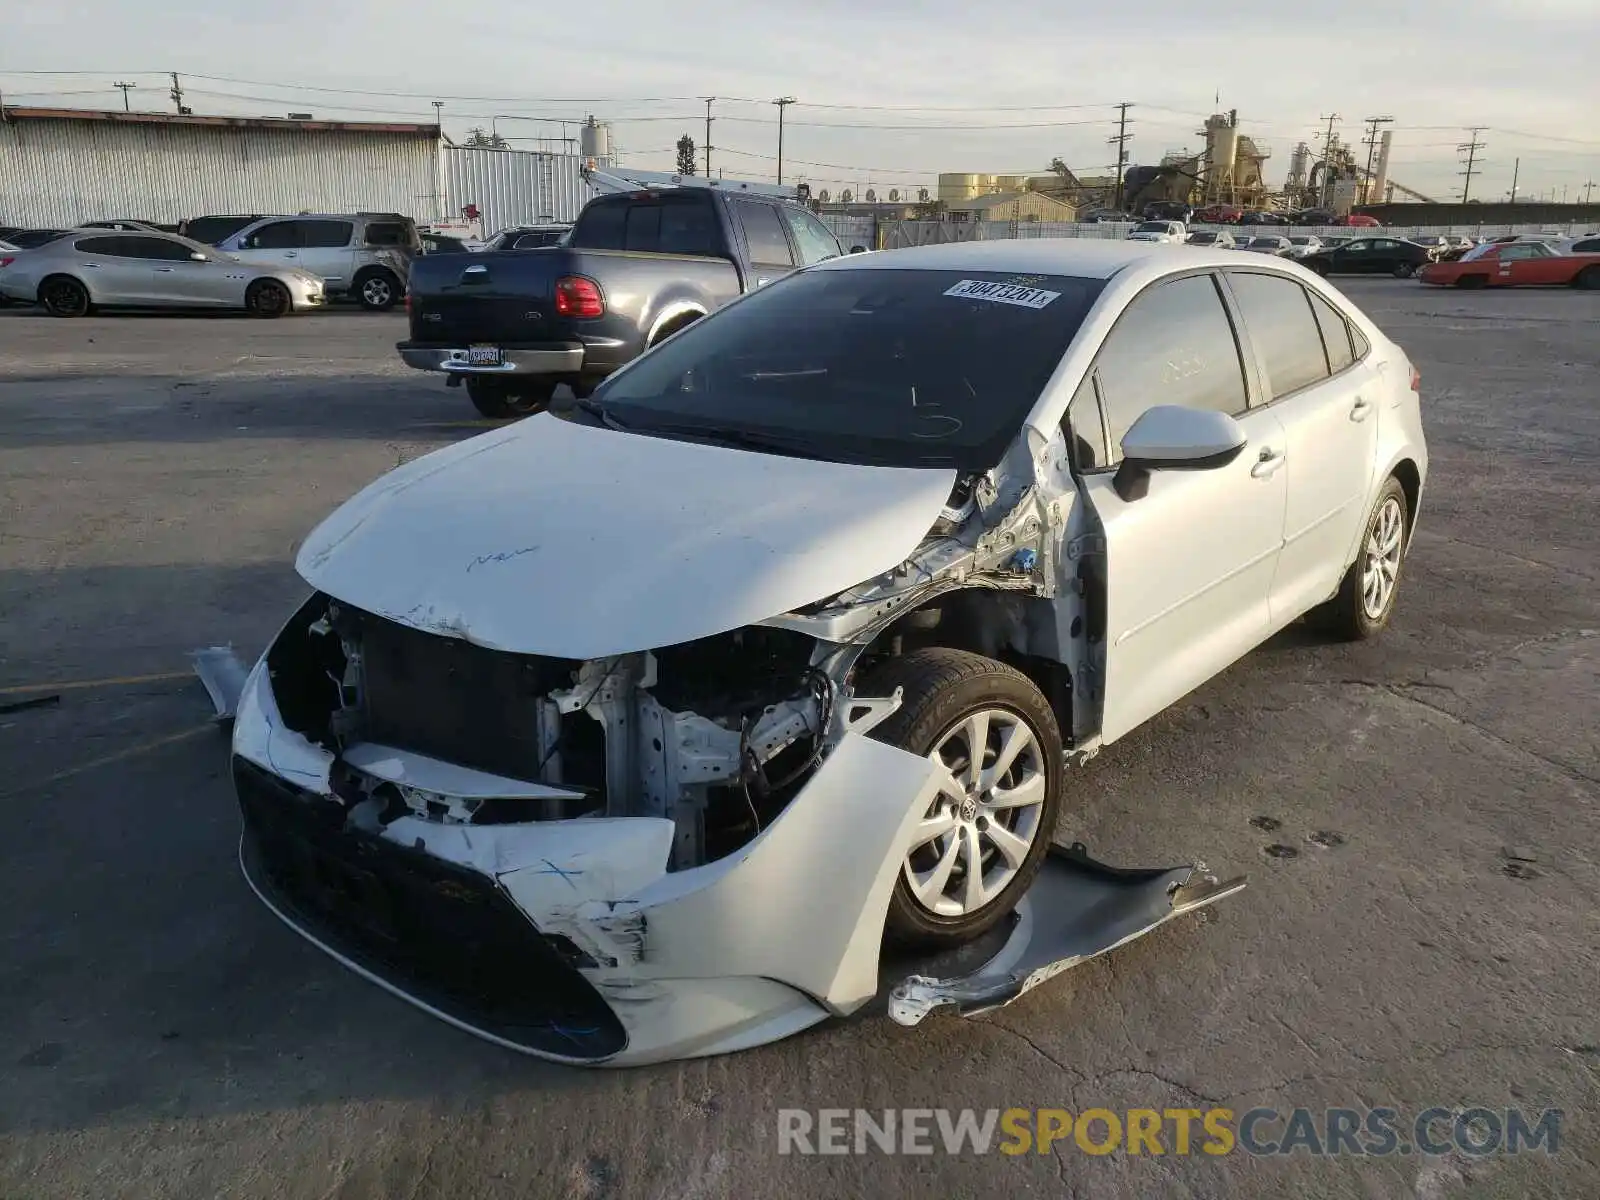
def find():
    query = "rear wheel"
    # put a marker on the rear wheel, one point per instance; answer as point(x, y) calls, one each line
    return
point(1405, 270)
point(1366, 596)
point(993, 738)
point(501, 399)
point(1589, 277)
point(268, 299)
point(377, 290)
point(1473, 281)
point(63, 296)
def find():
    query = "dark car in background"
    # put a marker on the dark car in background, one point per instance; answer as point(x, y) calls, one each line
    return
point(213, 229)
point(32, 239)
point(1371, 256)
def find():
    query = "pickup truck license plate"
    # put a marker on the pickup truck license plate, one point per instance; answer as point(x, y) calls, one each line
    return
point(483, 356)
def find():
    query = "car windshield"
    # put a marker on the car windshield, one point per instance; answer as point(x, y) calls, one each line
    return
point(893, 367)
point(1478, 252)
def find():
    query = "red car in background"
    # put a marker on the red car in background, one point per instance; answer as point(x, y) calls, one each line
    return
point(1516, 264)
point(1360, 220)
point(1219, 214)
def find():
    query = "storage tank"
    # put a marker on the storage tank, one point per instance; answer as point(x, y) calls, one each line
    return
point(1222, 152)
point(594, 140)
point(1011, 183)
point(955, 188)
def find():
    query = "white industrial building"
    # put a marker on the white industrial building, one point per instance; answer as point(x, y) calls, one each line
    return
point(60, 167)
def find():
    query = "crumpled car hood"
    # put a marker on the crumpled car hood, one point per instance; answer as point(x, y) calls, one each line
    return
point(556, 538)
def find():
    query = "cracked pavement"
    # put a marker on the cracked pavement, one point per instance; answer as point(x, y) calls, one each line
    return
point(167, 1038)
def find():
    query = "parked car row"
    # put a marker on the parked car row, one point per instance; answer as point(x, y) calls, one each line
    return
point(268, 265)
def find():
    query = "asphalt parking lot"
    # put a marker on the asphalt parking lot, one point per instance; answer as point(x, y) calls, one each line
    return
point(1419, 818)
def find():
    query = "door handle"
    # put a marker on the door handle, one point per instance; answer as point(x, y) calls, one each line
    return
point(290, 254)
point(1268, 463)
point(1363, 407)
point(168, 270)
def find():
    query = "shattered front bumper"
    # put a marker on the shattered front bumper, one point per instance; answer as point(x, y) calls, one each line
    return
point(570, 939)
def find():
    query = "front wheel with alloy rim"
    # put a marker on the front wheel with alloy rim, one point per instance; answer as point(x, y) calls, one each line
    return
point(64, 297)
point(267, 298)
point(1589, 277)
point(1366, 596)
point(1405, 271)
point(378, 291)
point(996, 750)
point(500, 399)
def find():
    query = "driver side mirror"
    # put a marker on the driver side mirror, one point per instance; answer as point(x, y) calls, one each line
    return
point(1171, 438)
point(198, 257)
point(858, 249)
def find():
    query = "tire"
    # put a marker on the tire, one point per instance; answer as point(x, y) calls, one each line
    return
point(376, 289)
point(1589, 277)
point(1350, 616)
point(63, 296)
point(1472, 281)
point(1321, 269)
point(946, 692)
point(501, 399)
point(267, 299)
point(1405, 270)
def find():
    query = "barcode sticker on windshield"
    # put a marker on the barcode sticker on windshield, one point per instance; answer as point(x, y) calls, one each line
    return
point(1003, 293)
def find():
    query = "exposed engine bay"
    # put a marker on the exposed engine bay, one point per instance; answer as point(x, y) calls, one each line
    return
point(716, 735)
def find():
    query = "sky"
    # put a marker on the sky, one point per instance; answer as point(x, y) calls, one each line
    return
point(887, 95)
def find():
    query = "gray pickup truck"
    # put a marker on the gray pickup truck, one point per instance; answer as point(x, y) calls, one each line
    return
point(638, 266)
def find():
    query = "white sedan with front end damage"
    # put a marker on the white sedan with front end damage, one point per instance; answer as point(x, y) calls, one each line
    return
point(636, 730)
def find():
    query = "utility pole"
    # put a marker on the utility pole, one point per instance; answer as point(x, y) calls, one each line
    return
point(1516, 169)
point(1327, 159)
point(1120, 141)
point(177, 96)
point(1471, 147)
point(1372, 146)
point(126, 107)
point(782, 102)
point(1588, 191)
point(710, 100)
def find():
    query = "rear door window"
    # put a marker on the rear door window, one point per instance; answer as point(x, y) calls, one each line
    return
point(97, 245)
point(1335, 334)
point(325, 234)
point(811, 235)
point(1283, 329)
point(763, 233)
point(1174, 345)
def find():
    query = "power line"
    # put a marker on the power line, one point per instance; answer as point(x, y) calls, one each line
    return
point(1471, 147)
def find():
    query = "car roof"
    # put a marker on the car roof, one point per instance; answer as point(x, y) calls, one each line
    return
point(1086, 258)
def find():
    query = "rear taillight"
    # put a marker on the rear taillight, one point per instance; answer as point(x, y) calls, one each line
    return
point(1416, 379)
point(579, 297)
point(6, 262)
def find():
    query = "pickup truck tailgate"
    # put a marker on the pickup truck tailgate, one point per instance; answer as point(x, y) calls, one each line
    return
point(504, 297)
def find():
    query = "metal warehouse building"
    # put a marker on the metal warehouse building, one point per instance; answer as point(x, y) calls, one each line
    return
point(64, 166)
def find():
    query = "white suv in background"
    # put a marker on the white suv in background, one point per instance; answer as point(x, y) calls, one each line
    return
point(363, 255)
point(1171, 232)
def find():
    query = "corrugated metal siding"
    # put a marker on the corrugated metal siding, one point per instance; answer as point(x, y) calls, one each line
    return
point(514, 187)
point(56, 172)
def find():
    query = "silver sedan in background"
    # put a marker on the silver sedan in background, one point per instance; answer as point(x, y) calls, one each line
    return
point(93, 268)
